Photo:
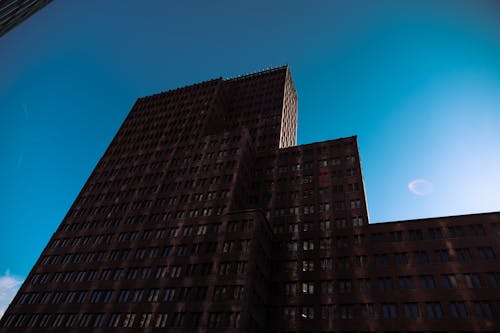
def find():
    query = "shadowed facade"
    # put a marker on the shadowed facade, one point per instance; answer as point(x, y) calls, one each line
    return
point(203, 215)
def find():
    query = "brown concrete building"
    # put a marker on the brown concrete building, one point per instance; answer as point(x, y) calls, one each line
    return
point(204, 216)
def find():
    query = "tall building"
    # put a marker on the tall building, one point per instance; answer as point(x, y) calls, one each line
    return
point(203, 215)
point(13, 12)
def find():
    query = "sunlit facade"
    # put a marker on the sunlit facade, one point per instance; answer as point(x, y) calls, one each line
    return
point(204, 215)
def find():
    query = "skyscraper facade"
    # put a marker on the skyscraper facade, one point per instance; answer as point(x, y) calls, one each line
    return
point(13, 12)
point(204, 215)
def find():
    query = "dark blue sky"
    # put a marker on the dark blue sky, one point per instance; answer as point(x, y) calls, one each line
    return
point(417, 81)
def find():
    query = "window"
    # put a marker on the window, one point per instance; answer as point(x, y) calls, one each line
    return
point(128, 320)
point(411, 310)
point(307, 265)
point(464, 255)
point(368, 311)
point(483, 309)
point(449, 281)
point(308, 245)
point(477, 230)
point(137, 295)
point(472, 280)
point(145, 320)
point(307, 312)
point(292, 246)
point(434, 310)
point(308, 288)
point(427, 282)
point(401, 258)
point(442, 256)
point(361, 261)
point(327, 312)
point(381, 260)
point(455, 232)
point(494, 279)
point(327, 287)
point(290, 289)
point(415, 235)
point(346, 311)
point(377, 238)
point(161, 320)
point(326, 264)
point(289, 312)
point(291, 266)
point(325, 243)
point(420, 257)
point(169, 295)
point(342, 242)
point(389, 311)
point(344, 286)
point(343, 263)
point(324, 207)
point(396, 236)
point(181, 250)
point(486, 253)
point(405, 283)
point(435, 233)
point(177, 319)
point(364, 285)
point(153, 295)
point(324, 225)
point(355, 204)
point(114, 319)
point(385, 284)
point(357, 221)
point(228, 247)
point(458, 310)
point(308, 210)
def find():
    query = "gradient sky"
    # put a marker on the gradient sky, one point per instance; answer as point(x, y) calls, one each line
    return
point(417, 81)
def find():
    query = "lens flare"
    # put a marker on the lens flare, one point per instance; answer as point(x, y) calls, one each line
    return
point(420, 187)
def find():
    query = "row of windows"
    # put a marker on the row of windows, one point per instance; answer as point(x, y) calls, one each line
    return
point(185, 230)
point(384, 284)
point(319, 164)
point(141, 205)
point(134, 273)
point(146, 178)
point(177, 294)
point(157, 129)
point(376, 238)
point(124, 320)
point(385, 260)
point(242, 245)
point(431, 310)
point(123, 163)
point(309, 180)
point(322, 192)
point(173, 137)
point(432, 233)
point(329, 264)
point(107, 185)
point(320, 208)
point(324, 225)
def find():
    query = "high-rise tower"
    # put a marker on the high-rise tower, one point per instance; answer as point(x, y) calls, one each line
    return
point(13, 12)
point(204, 215)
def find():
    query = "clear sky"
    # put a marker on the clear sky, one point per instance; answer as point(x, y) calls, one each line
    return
point(417, 81)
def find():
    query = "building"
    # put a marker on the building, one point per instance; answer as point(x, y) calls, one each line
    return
point(204, 216)
point(13, 12)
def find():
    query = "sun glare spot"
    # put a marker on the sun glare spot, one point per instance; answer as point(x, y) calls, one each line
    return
point(420, 187)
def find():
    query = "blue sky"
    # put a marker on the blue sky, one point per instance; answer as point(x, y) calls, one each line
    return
point(417, 81)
